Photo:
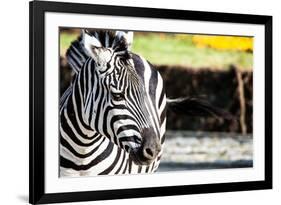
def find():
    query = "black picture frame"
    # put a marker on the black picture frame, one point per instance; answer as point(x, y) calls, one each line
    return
point(37, 194)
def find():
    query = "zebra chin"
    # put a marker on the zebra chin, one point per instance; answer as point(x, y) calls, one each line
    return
point(136, 157)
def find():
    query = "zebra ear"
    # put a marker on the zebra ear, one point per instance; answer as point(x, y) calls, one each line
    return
point(89, 42)
point(127, 35)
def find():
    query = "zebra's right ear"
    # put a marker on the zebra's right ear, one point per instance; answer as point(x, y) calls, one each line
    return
point(89, 42)
point(128, 37)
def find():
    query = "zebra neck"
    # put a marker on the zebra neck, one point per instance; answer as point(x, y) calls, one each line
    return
point(72, 117)
point(81, 100)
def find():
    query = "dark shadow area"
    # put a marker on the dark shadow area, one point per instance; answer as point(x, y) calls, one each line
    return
point(219, 88)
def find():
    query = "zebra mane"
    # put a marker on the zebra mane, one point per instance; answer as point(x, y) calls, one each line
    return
point(77, 55)
point(109, 39)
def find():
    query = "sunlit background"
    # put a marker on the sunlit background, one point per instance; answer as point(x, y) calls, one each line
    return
point(196, 51)
point(215, 68)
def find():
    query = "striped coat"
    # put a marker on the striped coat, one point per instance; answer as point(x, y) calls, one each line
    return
point(113, 115)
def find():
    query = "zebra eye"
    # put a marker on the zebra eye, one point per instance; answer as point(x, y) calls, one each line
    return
point(108, 65)
point(94, 49)
point(127, 148)
point(117, 96)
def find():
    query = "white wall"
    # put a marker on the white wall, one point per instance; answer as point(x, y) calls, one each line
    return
point(14, 99)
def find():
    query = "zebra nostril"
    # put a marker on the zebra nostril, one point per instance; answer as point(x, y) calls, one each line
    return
point(148, 153)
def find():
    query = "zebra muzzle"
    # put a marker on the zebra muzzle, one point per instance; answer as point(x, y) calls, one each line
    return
point(149, 149)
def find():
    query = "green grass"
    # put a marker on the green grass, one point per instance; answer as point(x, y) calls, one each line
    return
point(174, 51)
point(168, 50)
point(65, 41)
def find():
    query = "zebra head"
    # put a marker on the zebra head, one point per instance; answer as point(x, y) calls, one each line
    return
point(117, 104)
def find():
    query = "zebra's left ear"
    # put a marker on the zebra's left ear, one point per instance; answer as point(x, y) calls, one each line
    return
point(89, 41)
point(127, 36)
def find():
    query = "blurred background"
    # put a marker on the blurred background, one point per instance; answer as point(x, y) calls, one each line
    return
point(215, 68)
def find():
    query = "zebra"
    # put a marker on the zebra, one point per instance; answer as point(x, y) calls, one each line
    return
point(113, 115)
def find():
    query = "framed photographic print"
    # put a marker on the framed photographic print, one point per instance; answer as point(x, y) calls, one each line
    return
point(140, 102)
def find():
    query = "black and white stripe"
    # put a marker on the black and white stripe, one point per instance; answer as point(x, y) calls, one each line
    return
point(113, 115)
